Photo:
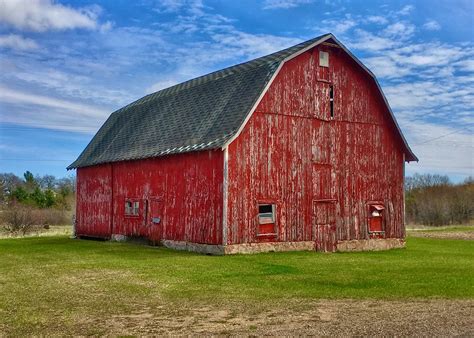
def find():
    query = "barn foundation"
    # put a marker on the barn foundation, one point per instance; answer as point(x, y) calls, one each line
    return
point(252, 248)
point(209, 249)
point(370, 244)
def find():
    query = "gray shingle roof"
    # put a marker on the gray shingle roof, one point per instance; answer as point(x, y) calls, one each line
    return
point(202, 113)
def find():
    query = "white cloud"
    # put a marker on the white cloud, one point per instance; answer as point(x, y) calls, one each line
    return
point(399, 30)
point(284, 4)
point(367, 41)
point(426, 56)
point(41, 111)
point(16, 97)
point(252, 45)
point(432, 25)
point(406, 10)
point(17, 42)
point(195, 7)
point(162, 85)
point(337, 27)
point(107, 26)
point(64, 83)
point(466, 65)
point(377, 19)
point(452, 153)
point(170, 5)
point(385, 67)
point(43, 15)
point(416, 95)
point(441, 100)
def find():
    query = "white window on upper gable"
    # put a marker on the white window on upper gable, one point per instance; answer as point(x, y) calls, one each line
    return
point(323, 59)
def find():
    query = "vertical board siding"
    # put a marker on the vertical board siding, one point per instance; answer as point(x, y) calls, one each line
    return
point(292, 152)
point(188, 188)
point(94, 197)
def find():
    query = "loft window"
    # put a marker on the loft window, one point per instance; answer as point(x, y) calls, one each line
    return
point(331, 101)
point(266, 219)
point(132, 208)
point(323, 59)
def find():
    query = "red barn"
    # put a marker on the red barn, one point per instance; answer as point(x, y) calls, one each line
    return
point(297, 150)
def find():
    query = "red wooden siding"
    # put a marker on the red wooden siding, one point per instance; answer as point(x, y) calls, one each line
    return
point(185, 191)
point(292, 153)
point(94, 204)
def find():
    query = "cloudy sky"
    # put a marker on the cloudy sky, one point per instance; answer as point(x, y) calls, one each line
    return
point(66, 65)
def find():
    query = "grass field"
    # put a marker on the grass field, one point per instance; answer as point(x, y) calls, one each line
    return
point(59, 285)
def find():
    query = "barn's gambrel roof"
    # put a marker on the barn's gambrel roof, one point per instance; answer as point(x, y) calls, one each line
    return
point(207, 112)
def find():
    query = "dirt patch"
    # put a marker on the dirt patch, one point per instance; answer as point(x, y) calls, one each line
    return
point(321, 318)
point(466, 235)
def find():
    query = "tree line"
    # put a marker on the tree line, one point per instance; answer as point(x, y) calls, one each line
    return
point(38, 191)
point(434, 200)
point(31, 201)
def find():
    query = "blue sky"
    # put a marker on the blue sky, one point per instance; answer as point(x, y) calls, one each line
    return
point(66, 65)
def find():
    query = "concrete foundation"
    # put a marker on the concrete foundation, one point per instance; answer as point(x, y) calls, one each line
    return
point(248, 248)
point(370, 244)
point(251, 248)
point(118, 238)
point(194, 247)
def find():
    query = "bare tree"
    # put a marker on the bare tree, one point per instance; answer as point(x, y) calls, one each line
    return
point(433, 200)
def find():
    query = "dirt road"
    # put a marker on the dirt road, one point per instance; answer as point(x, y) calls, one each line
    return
point(322, 318)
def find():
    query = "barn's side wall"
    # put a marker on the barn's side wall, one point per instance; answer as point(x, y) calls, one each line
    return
point(293, 154)
point(184, 191)
point(94, 201)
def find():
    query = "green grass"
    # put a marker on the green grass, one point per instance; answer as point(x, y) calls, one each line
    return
point(49, 282)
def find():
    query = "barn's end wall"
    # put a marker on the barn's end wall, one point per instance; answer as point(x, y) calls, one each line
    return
point(94, 201)
point(320, 172)
point(181, 193)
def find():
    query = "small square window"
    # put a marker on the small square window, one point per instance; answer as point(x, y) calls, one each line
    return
point(266, 220)
point(323, 59)
point(132, 208)
point(266, 213)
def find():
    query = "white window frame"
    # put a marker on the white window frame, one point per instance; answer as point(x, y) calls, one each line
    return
point(323, 59)
point(132, 207)
point(269, 217)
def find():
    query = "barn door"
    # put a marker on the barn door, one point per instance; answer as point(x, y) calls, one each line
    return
point(324, 208)
point(324, 224)
point(155, 219)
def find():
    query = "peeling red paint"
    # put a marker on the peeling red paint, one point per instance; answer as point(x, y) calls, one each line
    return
point(320, 172)
point(184, 191)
